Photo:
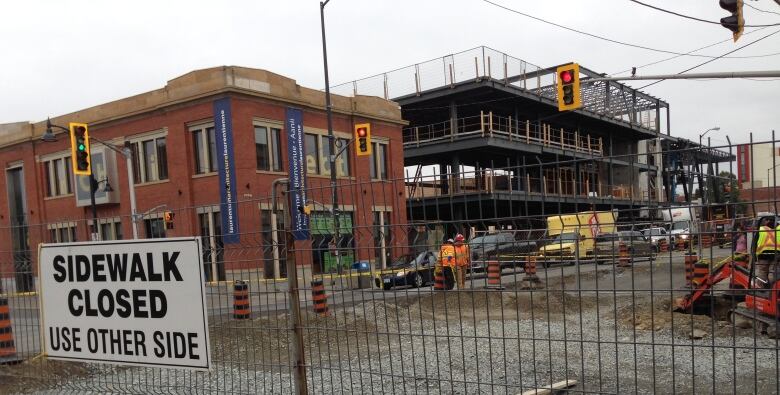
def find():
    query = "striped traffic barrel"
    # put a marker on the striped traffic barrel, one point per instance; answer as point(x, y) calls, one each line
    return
point(241, 310)
point(690, 261)
point(438, 279)
point(7, 347)
point(530, 268)
point(624, 259)
point(493, 274)
point(319, 297)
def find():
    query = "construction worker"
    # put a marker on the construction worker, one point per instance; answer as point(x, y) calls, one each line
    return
point(462, 260)
point(766, 249)
point(447, 262)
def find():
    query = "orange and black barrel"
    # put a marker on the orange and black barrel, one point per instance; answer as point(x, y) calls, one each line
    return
point(241, 309)
point(530, 268)
point(663, 246)
point(706, 241)
point(680, 244)
point(624, 259)
point(7, 347)
point(438, 279)
point(319, 297)
point(690, 264)
point(493, 274)
point(701, 270)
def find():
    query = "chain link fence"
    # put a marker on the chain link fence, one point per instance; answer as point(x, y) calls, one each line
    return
point(565, 290)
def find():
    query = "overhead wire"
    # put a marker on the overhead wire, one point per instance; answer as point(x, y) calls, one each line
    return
point(692, 17)
point(714, 59)
point(691, 51)
point(618, 41)
point(760, 10)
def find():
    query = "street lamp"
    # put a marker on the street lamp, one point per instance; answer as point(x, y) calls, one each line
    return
point(701, 136)
point(767, 175)
point(49, 136)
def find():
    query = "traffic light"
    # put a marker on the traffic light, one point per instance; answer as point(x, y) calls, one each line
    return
point(363, 139)
point(569, 87)
point(735, 22)
point(79, 147)
point(168, 219)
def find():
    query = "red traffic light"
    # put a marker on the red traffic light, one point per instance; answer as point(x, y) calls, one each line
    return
point(362, 132)
point(567, 77)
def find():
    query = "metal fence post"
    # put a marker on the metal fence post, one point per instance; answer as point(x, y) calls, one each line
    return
point(298, 351)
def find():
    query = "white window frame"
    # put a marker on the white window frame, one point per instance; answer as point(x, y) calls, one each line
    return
point(272, 150)
point(137, 141)
point(203, 155)
point(57, 227)
point(47, 162)
point(324, 161)
point(375, 158)
point(383, 239)
point(114, 221)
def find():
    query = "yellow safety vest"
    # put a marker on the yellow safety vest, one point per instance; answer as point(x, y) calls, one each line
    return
point(766, 240)
point(447, 255)
point(462, 255)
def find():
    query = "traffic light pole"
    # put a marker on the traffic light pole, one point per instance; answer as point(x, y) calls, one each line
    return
point(93, 184)
point(331, 139)
point(716, 75)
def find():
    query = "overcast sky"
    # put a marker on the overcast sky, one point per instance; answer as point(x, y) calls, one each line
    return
point(62, 56)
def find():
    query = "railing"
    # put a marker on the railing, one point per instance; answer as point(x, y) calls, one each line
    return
point(489, 125)
point(614, 100)
point(495, 180)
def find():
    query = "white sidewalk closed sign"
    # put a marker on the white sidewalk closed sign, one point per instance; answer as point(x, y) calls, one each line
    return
point(135, 302)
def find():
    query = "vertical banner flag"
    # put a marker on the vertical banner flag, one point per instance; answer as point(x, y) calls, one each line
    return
point(297, 173)
point(223, 130)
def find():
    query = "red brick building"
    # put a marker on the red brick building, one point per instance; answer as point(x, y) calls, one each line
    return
point(171, 132)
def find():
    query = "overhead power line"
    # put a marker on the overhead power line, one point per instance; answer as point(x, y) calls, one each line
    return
point(617, 41)
point(692, 17)
point(722, 56)
point(760, 10)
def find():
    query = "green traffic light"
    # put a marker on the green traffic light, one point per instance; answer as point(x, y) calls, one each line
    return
point(81, 147)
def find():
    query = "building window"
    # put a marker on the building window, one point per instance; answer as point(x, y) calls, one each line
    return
point(318, 156)
point(62, 233)
point(204, 145)
point(150, 160)
point(155, 228)
point(382, 238)
point(378, 165)
point(268, 151)
point(58, 176)
point(274, 248)
point(110, 229)
point(312, 148)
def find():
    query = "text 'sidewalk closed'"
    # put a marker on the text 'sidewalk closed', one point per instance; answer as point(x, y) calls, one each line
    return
point(130, 302)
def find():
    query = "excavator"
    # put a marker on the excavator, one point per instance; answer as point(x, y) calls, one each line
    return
point(757, 300)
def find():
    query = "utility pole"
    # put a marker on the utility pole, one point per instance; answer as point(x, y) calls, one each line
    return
point(331, 140)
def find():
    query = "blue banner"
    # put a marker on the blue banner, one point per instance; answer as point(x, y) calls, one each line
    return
point(223, 131)
point(297, 173)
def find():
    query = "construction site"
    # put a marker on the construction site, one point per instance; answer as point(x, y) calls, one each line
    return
point(604, 255)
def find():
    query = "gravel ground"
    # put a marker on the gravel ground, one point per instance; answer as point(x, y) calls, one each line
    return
point(467, 343)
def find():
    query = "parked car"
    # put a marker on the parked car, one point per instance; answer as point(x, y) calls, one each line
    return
point(655, 235)
point(607, 247)
point(409, 270)
point(509, 248)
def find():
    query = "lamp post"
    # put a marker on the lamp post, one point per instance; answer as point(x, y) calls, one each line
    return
point(701, 136)
point(773, 183)
point(331, 137)
point(49, 136)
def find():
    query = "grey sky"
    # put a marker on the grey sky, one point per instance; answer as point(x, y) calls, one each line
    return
point(62, 56)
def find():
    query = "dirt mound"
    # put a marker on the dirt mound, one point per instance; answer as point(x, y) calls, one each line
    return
point(710, 317)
